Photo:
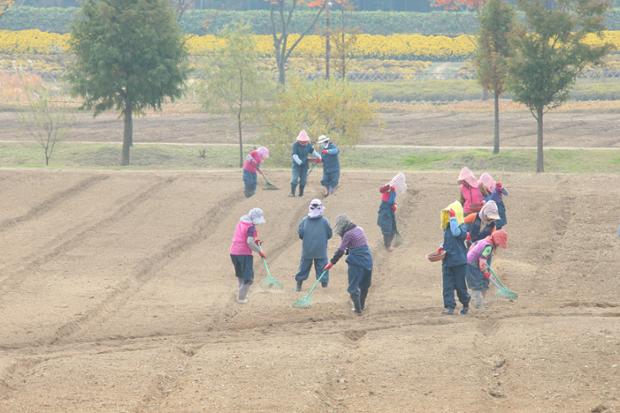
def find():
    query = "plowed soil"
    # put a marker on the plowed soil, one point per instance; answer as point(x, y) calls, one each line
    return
point(117, 295)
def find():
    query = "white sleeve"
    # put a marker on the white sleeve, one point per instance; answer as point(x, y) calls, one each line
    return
point(296, 159)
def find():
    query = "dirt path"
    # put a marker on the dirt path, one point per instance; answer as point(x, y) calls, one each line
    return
point(430, 126)
point(116, 294)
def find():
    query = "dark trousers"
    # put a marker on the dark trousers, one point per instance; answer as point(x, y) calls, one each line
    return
point(249, 182)
point(299, 174)
point(454, 279)
point(305, 265)
point(360, 280)
point(244, 267)
point(387, 239)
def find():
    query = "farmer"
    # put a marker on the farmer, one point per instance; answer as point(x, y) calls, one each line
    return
point(387, 215)
point(250, 166)
point(454, 265)
point(315, 232)
point(300, 151)
point(478, 264)
point(471, 198)
point(331, 164)
point(494, 191)
point(482, 224)
point(245, 240)
point(355, 244)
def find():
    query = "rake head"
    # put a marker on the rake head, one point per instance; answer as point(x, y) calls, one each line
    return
point(304, 302)
point(507, 293)
point(270, 187)
point(398, 240)
point(271, 282)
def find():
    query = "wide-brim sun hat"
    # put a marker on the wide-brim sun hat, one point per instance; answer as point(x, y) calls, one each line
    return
point(323, 139)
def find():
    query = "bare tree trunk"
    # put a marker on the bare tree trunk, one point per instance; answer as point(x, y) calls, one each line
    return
point(496, 131)
point(328, 46)
point(343, 40)
point(127, 133)
point(281, 72)
point(540, 164)
point(239, 114)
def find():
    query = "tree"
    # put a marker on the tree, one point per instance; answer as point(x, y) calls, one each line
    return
point(344, 41)
point(455, 5)
point(129, 55)
point(180, 7)
point(334, 108)
point(234, 79)
point(280, 27)
point(550, 51)
point(496, 26)
point(43, 121)
point(5, 5)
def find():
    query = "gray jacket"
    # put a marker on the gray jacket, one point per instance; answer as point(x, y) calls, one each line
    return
point(315, 233)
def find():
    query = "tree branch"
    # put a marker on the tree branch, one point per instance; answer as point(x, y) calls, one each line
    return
point(306, 32)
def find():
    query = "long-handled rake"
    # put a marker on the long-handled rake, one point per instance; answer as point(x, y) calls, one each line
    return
point(268, 185)
point(270, 281)
point(502, 290)
point(306, 300)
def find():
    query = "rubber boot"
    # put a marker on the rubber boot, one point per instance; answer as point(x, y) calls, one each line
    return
point(243, 293)
point(465, 309)
point(298, 286)
point(357, 305)
point(293, 188)
point(363, 295)
point(301, 190)
point(477, 297)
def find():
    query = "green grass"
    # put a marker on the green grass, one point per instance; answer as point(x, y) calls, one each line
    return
point(456, 90)
point(154, 156)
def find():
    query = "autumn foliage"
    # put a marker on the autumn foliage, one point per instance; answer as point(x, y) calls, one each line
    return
point(458, 4)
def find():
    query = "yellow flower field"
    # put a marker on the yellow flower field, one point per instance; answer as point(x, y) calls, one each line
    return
point(397, 46)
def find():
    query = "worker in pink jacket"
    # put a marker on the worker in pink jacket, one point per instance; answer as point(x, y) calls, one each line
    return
point(245, 241)
point(251, 165)
point(471, 197)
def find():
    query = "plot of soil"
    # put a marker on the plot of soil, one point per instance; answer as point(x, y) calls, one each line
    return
point(117, 295)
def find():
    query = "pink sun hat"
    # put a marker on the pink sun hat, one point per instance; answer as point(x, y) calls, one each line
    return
point(303, 136)
point(466, 175)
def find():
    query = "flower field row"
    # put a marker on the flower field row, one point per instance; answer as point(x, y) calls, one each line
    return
point(397, 46)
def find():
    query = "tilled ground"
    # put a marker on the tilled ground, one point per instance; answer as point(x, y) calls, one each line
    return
point(117, 295)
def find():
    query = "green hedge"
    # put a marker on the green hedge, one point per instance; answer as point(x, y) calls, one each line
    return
point(458, 90)
point(58, 20)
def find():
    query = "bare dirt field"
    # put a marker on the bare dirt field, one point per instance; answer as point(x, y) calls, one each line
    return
point(463, 124)
point(117, 295)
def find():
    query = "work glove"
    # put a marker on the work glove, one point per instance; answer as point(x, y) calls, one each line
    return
point(384, 188)
point(439, 250)
point(324, 151)
point(317, 160)
point(262, 254)
point(452, 213)
point(468, 237)
point(328, 266)
point(486, 275)
point(499, 187)
point(258, 242)
point(394, 207)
